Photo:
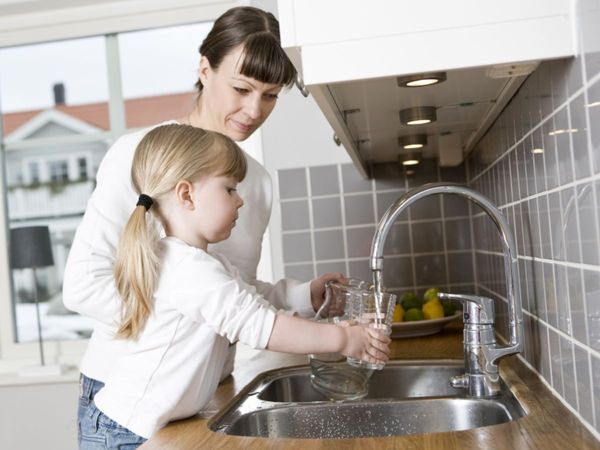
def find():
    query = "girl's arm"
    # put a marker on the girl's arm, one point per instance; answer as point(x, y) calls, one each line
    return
point(295, 335)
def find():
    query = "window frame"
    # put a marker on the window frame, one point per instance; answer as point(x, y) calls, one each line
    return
point(79, 22)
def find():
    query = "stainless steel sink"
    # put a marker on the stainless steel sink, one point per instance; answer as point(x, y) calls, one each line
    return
point(404, 398)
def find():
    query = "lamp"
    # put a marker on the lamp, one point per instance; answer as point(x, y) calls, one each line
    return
point(413, 141)
point(418, 115)
point(30, 248)
point(421, 79)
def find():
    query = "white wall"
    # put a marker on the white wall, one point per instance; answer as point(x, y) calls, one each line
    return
point(36, 417)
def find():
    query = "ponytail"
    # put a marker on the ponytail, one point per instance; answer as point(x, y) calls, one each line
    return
point(136, 272)
point(164, 156)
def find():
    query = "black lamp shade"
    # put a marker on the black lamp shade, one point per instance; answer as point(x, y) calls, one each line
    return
point(30, 247)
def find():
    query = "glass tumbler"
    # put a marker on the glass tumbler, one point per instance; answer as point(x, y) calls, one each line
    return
point(330, 374)
point(373, 310)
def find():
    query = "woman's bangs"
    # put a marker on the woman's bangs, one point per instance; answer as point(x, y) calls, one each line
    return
point(265, 61)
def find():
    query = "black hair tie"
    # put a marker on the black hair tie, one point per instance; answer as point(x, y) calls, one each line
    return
point(145, 201)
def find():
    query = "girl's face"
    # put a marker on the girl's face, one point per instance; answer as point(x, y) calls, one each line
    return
point(215, 209)
point(232, 103)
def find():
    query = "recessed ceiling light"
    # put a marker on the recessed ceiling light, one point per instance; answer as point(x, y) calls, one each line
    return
point(537, 151)
point(421, 79)
point(419, 115)
point(413, 141)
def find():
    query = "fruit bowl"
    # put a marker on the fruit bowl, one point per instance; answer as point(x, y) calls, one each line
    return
point(422, 327)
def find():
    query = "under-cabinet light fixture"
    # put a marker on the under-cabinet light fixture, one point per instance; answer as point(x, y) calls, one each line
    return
point(408, 160)
point(562, 131)
point(421, 79)
point(413, 141)
point(419, 115)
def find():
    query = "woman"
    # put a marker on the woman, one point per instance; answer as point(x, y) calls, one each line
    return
point(242, 70)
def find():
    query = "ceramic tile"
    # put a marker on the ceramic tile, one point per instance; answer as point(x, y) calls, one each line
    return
point(550, 154)
point(572, 250)
point(588, 227)
point(398, 240)
point(358, 241)
point(353, 181)
point(460, 268)
point(360, 269)
point(327, 212)
point(427, 208)
point(593, 110)
point(579, 140)
point(331, 267)
point(385, 200)
point(389, 176)
point(324, 180)
point(556, 362)
point(458, 234)
point(591, 282)
point(300, 272)
point(584, 385)
point(430, 270)
point(297, 247)
point(329, 244)
point(596, 387)
point(576, 304)
point(359, 209)
point(397, 272)
point(562, 305)
point(563, 146)
point(568, 372)
point(427, 237)
point(292, 183)
point(294, 215)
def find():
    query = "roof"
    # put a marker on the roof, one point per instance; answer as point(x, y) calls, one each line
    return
point(138, 112)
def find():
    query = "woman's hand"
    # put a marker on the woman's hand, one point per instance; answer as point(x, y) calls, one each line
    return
point(366, 344)
point(317, 288)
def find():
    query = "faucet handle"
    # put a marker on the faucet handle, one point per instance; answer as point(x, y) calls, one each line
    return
point(478, 310)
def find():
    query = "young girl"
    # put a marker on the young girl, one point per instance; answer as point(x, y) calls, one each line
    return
point(183, 305)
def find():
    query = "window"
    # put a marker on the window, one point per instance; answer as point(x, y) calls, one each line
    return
point(82, 168)
point(34, 173)
point(57, 128)
point(59, 170)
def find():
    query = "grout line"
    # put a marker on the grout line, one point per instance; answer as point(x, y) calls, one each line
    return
point(343, 218)
point(311, 222)
point(573, 265)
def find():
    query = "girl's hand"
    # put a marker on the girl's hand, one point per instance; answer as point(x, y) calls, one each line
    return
point(366, 344)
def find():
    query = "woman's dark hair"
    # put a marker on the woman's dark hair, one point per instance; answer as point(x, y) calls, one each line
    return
point(258, 31)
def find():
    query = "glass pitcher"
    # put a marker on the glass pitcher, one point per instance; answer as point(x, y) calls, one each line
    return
point(330, 374)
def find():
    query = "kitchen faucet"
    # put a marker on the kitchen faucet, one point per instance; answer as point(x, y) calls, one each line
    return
point(481, 377)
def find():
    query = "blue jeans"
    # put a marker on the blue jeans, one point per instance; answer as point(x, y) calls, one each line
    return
point(96, 431)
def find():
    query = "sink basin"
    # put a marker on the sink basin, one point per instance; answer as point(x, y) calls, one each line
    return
point(404, 398)
point(396, 381)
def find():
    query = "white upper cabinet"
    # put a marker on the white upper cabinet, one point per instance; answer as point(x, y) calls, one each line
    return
point(350, 53)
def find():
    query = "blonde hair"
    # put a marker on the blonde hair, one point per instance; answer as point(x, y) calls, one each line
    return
point(166, 155)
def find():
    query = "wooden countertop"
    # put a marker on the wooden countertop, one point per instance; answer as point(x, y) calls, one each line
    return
point(548, 424)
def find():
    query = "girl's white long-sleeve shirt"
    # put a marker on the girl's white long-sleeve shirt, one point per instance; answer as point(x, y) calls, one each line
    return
point(172, 370)
point(89, 287)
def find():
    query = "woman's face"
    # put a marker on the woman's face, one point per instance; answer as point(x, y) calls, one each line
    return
point(232, 103)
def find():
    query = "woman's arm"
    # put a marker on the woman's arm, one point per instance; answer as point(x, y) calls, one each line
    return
point(296, 335)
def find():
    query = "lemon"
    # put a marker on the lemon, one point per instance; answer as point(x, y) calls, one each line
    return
point(398, 313)
point(433, 309)
point(430, 294)
point(413, 314)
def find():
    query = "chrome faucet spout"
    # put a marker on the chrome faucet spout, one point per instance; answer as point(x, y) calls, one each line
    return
point(488, 350)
